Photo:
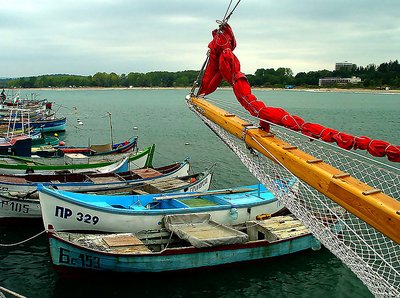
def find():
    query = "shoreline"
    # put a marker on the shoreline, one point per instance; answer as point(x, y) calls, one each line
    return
point(322, 90)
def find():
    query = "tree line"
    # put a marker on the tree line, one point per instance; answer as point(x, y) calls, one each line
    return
point(385, 75)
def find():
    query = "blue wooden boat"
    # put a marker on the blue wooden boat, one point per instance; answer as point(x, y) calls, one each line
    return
point(188, 242)
point(48, 124)
point(75, 211)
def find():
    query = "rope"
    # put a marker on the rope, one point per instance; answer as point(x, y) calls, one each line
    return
point(169, 240)
point(168, 158)
point(228, 16)
point(235, 108)
point(233, 9)
point(227, 9)
point(23, 241)
point(9, 292)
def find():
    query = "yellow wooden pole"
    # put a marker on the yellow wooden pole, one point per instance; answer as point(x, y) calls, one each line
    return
point(370, 205)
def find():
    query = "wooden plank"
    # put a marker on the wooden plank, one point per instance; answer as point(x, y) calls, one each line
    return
point(289, 147)
point(13, 179)
point(317, 160)
point(371, 192)
point(140, 192)
point(276, 228)
point(98, 180)
point(122, 240)
point(147, 173)
point(340, 176)
point(169, 183)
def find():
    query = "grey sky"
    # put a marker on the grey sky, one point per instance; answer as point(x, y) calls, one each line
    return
point(88, 36)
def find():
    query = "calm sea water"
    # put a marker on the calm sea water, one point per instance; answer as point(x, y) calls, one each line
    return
point(161, 117)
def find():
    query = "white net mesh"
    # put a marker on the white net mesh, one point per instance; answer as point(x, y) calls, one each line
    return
point(373, 257)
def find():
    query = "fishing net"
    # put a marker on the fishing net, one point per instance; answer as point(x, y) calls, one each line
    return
point(373, 257)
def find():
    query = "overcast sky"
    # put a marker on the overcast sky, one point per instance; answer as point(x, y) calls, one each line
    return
point(88, 36)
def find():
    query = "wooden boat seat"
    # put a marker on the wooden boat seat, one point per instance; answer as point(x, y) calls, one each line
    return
point(147, 173)
point(101, 148)
point(114, 178)
point(13, 179)
point(125, 243)
point(140, 192)
point(168, 183)
point(276, 228)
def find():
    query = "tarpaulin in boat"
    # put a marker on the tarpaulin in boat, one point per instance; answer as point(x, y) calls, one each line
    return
point(200, 231)
point(223, 64)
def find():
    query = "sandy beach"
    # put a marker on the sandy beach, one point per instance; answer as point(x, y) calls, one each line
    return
point(297, 89)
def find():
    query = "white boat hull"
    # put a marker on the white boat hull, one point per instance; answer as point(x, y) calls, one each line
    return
point(63, 215)
point(30, 208)
point(18, 209)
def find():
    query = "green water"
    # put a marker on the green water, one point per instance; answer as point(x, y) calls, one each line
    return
point(161, 117)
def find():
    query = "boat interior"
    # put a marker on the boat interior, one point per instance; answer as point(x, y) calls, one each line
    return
point(190, 230)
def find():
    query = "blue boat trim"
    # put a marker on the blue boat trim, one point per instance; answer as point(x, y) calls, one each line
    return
point(105, 203)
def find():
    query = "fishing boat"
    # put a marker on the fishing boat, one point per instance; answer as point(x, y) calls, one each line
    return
point(339, 187)
point(19, 145)
point(74, 211)
point(22, 186)
point(76, 163)
point(36, 114)
point(14, 206)
point(38, 140)
point(191, 241)
point(92, 150)
point(28, 208)
point(11, 105)
point(47, 124)
point(41, 140)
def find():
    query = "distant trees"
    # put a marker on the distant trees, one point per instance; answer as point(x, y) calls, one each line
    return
point(386, 74)
point(272, 78)
point(103, 79)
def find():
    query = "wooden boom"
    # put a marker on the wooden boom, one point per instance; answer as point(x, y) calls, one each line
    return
point(370, 205)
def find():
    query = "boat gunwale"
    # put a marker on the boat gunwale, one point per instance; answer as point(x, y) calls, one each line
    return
point(91, 183)
point(179, 210)
point(22, 166)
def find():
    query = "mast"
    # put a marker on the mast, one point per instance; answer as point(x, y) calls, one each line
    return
point(111, 129)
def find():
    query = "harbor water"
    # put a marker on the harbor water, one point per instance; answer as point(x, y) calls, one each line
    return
point(162, 117)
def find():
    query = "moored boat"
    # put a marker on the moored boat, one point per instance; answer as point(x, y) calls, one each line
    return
point(75, 163)
point(19, 145)
point(40, 140)
point(75, 211)
point(92, 150)
point(27, 205)
point(22, 185)
point(48, 124)
point(188, 242)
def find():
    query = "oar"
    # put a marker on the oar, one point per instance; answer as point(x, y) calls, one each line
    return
point(216, 192)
